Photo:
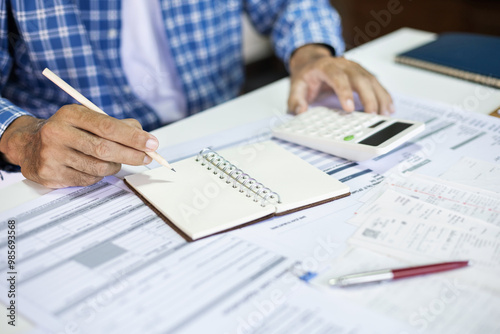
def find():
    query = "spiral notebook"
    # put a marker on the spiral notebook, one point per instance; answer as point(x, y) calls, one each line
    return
point(219, 191)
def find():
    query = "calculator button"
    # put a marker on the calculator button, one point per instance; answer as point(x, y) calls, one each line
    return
point(348, 138)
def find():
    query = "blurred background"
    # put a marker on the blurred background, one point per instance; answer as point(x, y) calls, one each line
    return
point(365, 20)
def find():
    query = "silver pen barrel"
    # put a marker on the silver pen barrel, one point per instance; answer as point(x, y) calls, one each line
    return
point(366, 277)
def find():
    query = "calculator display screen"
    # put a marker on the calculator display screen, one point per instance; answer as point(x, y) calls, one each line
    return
point(385, 134)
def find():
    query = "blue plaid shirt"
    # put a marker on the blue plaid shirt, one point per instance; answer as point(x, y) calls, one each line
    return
point(80, 41)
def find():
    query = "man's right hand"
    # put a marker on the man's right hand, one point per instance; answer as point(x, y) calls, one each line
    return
point(75, 147)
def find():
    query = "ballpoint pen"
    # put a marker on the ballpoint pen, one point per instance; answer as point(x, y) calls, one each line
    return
point(87, 103)
point(393, 274)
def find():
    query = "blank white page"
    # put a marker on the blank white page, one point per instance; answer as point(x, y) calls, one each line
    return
point(297, 182)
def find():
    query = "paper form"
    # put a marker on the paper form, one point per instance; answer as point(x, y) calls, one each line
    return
point(127, 289)
point(6, 178)
point(476, 173)
point(262, 311)
point(450, 134)
point(437, 303)
point(97, 260)
point(414, 209)
point(391, 232)
point(428, 193)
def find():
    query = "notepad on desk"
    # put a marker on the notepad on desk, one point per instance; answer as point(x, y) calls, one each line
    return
point(218, 191)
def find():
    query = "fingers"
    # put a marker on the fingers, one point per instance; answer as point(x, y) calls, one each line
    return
point(374, 97)
point(127, 133)
point(132, 122)
point(95, 147)
point(338, 79)
point(90, 165)
point(48, 171)
point(306, 87)
point(343, 77)
point(386, 106)
point(366, 93)
point(106, 150)
point(297, 100)
point(66, 177)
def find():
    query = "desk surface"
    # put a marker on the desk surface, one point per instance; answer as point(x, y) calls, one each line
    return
point(376, 56)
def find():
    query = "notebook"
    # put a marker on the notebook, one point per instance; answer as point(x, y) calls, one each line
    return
point(214, 192)
point(472, 57)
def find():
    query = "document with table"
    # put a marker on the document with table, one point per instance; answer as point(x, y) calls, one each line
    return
point(98, 260)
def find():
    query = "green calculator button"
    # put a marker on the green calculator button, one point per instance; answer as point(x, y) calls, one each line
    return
point(350, 137)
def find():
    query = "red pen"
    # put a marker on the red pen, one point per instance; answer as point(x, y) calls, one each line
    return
point(392, 274)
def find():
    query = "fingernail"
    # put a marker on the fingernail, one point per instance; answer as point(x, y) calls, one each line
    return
point(147, 160)
point(152, 144)
point(298, 110)
point(349, 105)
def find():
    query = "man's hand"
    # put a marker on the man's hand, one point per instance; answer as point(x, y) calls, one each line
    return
point(75, 147)
point(313, 70)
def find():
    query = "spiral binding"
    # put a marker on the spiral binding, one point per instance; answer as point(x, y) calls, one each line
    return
point(232, 174)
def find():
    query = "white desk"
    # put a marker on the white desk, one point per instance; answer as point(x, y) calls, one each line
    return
point(376, 56)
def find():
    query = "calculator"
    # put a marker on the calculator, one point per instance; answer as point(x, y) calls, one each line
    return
point(355, 136)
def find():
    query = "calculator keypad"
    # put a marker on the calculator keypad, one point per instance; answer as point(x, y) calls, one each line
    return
point(331, 124)
point(355, 136)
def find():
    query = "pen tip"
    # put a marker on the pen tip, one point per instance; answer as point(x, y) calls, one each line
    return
point(173, 170)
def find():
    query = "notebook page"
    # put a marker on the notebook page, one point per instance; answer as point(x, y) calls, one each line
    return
point(195, 200)
point(298, 183)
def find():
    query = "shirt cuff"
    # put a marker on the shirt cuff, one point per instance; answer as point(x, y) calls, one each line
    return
point(335, 44)
point(8, 114)
point(320, 29)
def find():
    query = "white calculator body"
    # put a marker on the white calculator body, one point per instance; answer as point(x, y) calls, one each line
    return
point(355, 136)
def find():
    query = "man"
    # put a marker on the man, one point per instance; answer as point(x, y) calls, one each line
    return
point(148, 63)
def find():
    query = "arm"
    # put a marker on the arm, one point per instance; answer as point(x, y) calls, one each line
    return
point(307, 37)
point(8, 111)
point(74, 147)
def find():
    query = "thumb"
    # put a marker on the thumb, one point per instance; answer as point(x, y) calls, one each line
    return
point(297, 100)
